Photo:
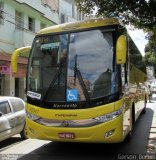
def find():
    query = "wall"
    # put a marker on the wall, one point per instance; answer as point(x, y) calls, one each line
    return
point(69, 12)
point(7, 30)
point(9, 86)
point(45, 10)
point(10, 36)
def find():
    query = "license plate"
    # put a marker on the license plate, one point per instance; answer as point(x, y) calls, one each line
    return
point(68, 135)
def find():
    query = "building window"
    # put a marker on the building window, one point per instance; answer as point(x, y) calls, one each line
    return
point(42, 25)
point(79, 16)
point(1, 13)
point(62, 18)
point(19, 22)
point(73, 10)
point(31, 24)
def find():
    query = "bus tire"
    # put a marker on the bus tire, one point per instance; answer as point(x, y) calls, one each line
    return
point(128, 137)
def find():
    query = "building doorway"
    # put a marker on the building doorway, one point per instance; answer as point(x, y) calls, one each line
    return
point(1, 84)
point(16, 87)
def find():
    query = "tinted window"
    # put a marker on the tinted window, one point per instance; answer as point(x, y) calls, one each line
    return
point(17, 105)
point(91, 53)
point(5, 107)
point(73, 67)
point(135, 56)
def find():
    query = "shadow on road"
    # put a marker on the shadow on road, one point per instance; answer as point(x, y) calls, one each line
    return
point(70, 151)
point(9, 142)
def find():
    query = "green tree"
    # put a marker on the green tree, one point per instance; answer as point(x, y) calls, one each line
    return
point(140, 13)
point(150, 50)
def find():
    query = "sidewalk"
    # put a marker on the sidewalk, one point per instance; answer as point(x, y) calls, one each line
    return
point(21, 149)
point(151, 146)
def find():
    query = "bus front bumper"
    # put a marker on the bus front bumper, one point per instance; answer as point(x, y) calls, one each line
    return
point(108, 132)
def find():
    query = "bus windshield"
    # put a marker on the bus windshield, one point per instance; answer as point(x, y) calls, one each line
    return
point(73, 67)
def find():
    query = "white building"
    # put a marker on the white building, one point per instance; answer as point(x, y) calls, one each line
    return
point(150, 72)
point(68, 11)
point(19, 22)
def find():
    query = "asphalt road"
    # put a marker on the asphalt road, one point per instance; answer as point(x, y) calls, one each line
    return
point(14, 148)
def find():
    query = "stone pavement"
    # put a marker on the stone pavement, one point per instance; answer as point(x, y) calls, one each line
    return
point(151, 146)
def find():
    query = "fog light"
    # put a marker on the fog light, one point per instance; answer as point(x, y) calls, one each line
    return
point(109, 133)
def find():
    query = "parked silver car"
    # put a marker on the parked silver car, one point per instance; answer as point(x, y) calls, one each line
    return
point(12, 117)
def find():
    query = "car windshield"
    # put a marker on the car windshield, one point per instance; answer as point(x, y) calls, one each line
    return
point(73, 67)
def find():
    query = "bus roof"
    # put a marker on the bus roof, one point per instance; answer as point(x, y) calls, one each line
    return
point(79, 25)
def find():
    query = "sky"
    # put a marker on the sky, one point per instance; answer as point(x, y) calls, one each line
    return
point(138, 37)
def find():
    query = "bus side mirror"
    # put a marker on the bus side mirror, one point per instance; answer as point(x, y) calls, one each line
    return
point(23, 51)
point(121, 48)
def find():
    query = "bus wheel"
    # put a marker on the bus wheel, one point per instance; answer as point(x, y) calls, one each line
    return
point(128, 137)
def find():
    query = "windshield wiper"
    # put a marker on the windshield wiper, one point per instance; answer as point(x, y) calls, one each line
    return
point(80, 79)
point(52, 84)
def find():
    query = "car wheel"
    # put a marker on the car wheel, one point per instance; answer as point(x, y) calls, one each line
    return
point(24, 133)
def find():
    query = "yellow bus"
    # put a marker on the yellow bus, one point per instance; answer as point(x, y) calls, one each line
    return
point(85, 82)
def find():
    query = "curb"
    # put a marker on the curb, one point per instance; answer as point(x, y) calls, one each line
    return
point(151, 146)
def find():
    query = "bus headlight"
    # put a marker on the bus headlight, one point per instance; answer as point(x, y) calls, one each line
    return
point(110, 116)
point(32, 116)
